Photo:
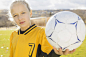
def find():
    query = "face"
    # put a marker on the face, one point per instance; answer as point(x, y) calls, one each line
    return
point(21, 15)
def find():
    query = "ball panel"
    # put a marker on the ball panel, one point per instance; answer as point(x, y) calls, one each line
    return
point(54, 37)
point(73, 39)
point(72, 18)
point(81, 30)
point(66, 17)
point(50, 26)
point(59, 27)
point(71, 28)
point(60, 14)
point(74, 46)
point(52, 43)
point(64, 34)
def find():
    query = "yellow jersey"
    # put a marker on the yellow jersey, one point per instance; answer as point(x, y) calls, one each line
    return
point(30, 43)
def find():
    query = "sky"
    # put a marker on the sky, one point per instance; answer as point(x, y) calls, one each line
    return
point(48, 4)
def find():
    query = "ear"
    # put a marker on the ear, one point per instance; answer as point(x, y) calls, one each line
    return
point(30, 13)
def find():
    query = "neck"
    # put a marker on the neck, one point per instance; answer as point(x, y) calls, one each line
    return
point(24, 28)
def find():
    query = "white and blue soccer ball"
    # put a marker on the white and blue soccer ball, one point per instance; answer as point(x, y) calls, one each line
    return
point(65, 30)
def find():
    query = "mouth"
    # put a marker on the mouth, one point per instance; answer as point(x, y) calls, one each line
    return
point(22, 22)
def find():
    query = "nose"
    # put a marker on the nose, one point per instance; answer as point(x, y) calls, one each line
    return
point(20, 17)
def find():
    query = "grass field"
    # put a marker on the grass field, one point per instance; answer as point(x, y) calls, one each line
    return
point(5, 42)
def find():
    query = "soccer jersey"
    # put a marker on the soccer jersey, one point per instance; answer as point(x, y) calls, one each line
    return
point(30, 43)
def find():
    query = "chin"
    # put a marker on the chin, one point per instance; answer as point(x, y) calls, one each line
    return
point(24, 26)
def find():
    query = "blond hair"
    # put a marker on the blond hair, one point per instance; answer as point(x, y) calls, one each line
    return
point(22, 2)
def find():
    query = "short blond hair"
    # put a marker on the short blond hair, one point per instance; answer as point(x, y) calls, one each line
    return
point(22, 2)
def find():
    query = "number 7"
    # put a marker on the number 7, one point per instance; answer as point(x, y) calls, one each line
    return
point(32, 45)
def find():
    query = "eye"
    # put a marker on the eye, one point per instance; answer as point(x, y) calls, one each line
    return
point(23, 12)
point(15, 15)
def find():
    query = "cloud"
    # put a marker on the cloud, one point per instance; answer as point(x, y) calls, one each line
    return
point(57, 4)
point(80, 2)
point(39, 4)
point(5, 4)
point(1, 5)
point(48, 4)
point(68, 4)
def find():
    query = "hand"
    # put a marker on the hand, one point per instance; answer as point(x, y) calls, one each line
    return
point(60, 52)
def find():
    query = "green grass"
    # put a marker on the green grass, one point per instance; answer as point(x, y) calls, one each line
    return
point(5, 42)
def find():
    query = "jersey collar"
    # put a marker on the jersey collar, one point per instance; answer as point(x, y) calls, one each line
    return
point(27, 30)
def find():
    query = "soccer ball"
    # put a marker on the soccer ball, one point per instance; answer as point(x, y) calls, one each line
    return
point(65, 30)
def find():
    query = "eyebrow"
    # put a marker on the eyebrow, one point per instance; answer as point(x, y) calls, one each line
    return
point(13, 14)
point(20, 12)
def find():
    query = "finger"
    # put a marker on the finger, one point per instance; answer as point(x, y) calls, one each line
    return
point(60, 51)
point(66, 52)
point(55, 50)
point(72, 51)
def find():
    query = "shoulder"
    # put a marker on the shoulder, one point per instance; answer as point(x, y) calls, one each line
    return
point(40, 29)
point(14, 33)
point(40, 33)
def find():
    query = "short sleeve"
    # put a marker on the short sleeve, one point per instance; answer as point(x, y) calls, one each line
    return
point(45, 45)
point(46, 48)
point(11, 48)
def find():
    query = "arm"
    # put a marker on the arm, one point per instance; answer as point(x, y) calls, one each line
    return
point(53, 54)
point(11, 50)
point(46, 49)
